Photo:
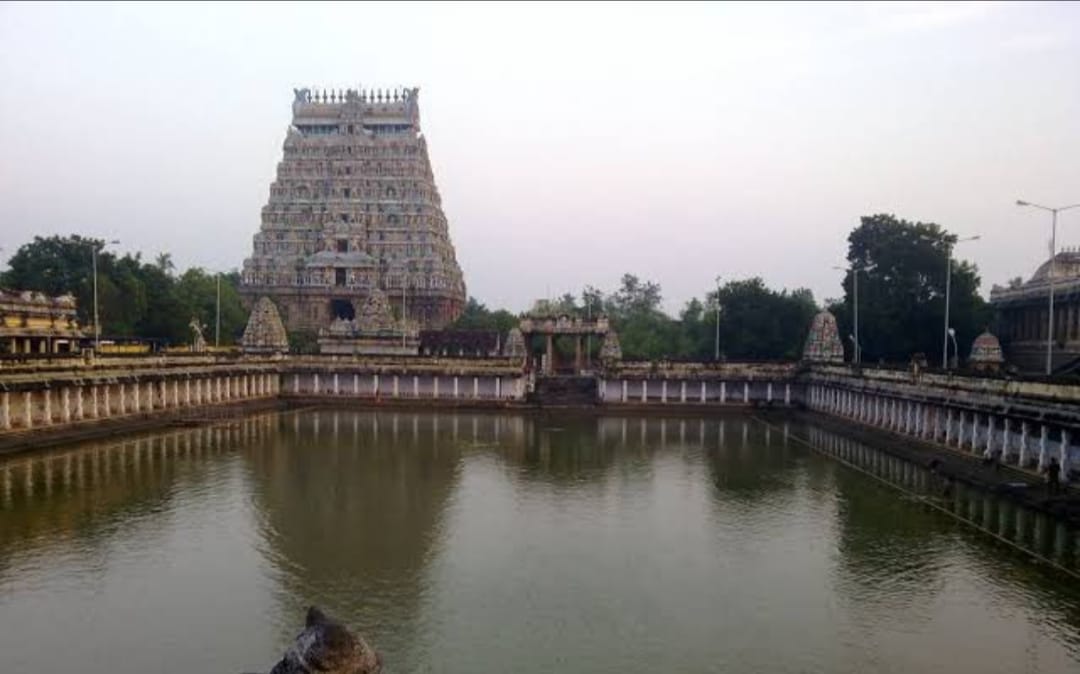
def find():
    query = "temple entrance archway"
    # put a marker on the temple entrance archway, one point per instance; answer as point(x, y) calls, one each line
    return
point(342, 309)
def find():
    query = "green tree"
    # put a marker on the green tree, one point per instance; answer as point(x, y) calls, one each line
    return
point(476, 316)
point(902, 290)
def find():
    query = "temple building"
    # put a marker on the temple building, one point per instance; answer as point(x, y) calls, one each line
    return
point(32, 322)
point(354, 208)
point(1022, 313)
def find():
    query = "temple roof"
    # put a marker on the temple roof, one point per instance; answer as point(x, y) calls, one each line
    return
point(1066, 266)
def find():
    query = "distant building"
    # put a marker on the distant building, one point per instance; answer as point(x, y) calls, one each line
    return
point(354, 207)
point(1022, 313)
point(32, 322)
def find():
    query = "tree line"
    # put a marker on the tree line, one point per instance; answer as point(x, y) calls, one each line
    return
point(135, 298)
point(901, 287)
point(902, 277)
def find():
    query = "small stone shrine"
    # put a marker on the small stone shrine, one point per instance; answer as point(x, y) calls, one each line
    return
point(374, 331)
point(265, 333)
point(986, 354)
point(610, 349)
point(823, 344)
point(515, 344)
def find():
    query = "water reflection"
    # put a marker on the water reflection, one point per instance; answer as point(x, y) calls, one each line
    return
point(467, 542)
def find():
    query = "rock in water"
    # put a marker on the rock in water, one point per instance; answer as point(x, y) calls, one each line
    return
point(328, 647)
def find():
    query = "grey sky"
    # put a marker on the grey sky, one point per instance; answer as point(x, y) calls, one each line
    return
point(571, 143)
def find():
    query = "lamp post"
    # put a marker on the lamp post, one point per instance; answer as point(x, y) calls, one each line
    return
point(855, 337)
point(217, 315)
point(948, 286)
point(93, 258)
point(1053, 253)
point(951, 334)
point(716, 355)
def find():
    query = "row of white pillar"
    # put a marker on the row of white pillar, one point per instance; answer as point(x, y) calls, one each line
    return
point(691, 392)
point(397, 386)
point(982, 433)
point(71, 403)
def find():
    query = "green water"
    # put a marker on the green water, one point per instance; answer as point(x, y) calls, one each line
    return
point(503, 543)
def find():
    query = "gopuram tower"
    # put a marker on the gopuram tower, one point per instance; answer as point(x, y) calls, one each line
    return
point(354, 207)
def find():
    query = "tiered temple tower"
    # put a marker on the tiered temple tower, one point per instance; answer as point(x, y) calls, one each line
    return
point(354, 207)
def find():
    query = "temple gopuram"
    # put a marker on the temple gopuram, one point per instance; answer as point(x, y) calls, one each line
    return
point(1022, 313)
point(354, 208)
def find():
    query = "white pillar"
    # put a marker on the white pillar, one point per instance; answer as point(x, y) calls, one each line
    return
point(989, 432)
point(624, 397)
point(48, 405)
point(948, 426)
point(5, 411)
point(682, 391)
point(94, 411)
point(663, 391)
point(108, 406)
point(974, 432)
point(315, 383)
point(375, 384)
point(397, 386)
point(136, 400)
point(28, 410)
point(1043, 454)
point(746, 392)
point(644, 390)
point(498, 389)
point(435, 387)
point(415, 386)
point(703, 392)
point(768, 392)
point(1005, 439)
point(79, 402)
point(1022, 458)
point(787, 394)
point(123, 398)
point(337, 384)
point(455, 387)
point(65, 404)
point(723, 392)
point(475, 387)
point(296, 383)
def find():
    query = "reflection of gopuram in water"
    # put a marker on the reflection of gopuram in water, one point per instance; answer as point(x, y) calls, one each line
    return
point(351, 505)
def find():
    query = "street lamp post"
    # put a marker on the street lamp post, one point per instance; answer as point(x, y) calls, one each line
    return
point(1053, 253)
point(217, 315)
point(948, 286)
point(97, 323)
point(716, 355)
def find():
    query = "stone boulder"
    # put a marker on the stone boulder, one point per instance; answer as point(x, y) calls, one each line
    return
point(328, 647)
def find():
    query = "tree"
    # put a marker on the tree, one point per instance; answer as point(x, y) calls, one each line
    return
point(759, 323)
point(902, 290)
point(135, 299)
point(476, 316)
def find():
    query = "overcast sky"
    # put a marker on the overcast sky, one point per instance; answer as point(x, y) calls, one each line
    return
point(571, 143)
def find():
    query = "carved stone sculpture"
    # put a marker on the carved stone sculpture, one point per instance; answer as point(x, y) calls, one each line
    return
point(376, 315)
point(823, 344)
point(328, 647)
point(198, 342)
point(265, 333)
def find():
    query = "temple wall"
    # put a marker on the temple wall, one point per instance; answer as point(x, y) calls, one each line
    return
point(1027, 422)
